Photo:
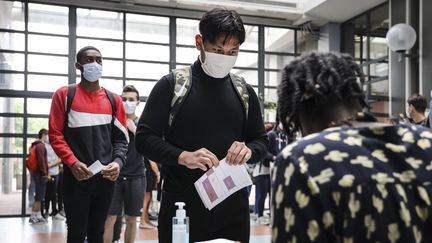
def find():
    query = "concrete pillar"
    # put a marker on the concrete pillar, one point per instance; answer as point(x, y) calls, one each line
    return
point(330, 37)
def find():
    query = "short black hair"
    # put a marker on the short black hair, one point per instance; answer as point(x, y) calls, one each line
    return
point(317, 82)
point(131, 88)
point(82, 50)
point(42, 132)
point(221, 22)
point(418, 101)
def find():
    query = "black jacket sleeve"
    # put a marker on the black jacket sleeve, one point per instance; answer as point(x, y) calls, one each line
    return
point(255, 137)
point(154, 121)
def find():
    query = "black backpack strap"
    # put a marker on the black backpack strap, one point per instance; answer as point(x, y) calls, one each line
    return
point(112, 102)
point(70, 95)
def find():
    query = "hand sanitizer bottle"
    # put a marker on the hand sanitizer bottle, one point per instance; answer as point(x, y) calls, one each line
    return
point(180, 225)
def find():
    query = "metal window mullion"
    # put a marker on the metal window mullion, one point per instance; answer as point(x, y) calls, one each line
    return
point(72, 44)
point(261, 64)
point(124, 49)
point(172, 42)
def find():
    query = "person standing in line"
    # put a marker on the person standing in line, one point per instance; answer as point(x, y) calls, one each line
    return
point(51, 189)
point(130, 187)
point(40, 176)
point(219, 117)
point(416, 109)
point(153, 177)
point(87, 123)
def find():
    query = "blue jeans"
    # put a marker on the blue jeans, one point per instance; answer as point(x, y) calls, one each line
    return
point(262, 186)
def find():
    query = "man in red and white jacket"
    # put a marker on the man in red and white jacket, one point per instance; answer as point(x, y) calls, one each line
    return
point(90, 126)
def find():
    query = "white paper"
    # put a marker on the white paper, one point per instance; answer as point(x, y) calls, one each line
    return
point(220, 182)
point(96, 167)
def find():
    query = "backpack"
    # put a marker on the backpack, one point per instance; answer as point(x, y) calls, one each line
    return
point(31, 159)
point(182, 85)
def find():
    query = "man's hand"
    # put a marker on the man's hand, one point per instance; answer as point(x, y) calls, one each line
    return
point(111, 171)
point(131, 125)
point(80, 171)
point(238, 154)
point(200, 159)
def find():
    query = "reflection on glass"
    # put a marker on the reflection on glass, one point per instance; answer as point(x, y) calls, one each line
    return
point(378, 47)
point(250, 76)
point(46, 83)
point(38, 106)
point(272, 78)
point(48, 44)
point(147, 28)
point(12, 184)
point(11, 105)
point(113, 85)
point(48, 19)
point(270, 97)
point(147, 52)
point(186, 54)
point(34, 125)
point(144, 87)
point(251, 38)
point(11, 145)
point(379, 69)
point(12, 41)
point(107, 48)
point(279, 39)
point(48, 64)
point(11, 125)
point(11, 81)
point(112, 68)
point(380, 88)
point(12, 15)
point(186, 31)
point(277, 61)
point(97, 23)
point(146, 70)
point(306, 42)
point(247, 59)
point(12, 61)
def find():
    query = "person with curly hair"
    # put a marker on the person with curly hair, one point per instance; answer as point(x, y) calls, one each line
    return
point(349, 178)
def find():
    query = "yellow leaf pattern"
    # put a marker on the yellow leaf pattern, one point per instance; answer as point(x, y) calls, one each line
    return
point(353, 141)
point(424, 143)
point(393, 232)
point(424, 195)
point(335, 136)
point(429, 167)
point(417, 234)
point(382, 189)
point(426, 134)
point(406, 176)
point(313, 230)
point(336, 156)
point(346, 181)
point(382, 178)
point(405, 214)
point(401, 192)
point(422, 212)
point(370, 225)
point(415, 163)
point(289, 219)
point(379, 154)
point(328, 219)
point(408, 137)
point(362, 160)
point(314, 149)
point(396, 148)
point(354, 205)
point(324, 176)
point(336, 197)
point(279, 196)
point(302, 199)
point(303, 165)
point(288, 173)
point(378, 203)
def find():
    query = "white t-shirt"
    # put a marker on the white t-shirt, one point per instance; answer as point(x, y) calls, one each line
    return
point(52, 157)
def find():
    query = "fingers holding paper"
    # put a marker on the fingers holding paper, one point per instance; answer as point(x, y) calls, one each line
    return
point(201, 159)
point(238, 153)
point(80, 171)
point(111, 171)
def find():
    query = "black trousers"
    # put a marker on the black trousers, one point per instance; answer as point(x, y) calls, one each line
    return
point(228, 220)
point(86, 205)
point(51, 195)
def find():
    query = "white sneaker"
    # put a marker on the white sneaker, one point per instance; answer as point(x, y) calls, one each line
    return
point(263, 221)
point(58, 217)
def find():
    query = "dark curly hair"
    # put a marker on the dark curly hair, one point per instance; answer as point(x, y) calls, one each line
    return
point(316, 83)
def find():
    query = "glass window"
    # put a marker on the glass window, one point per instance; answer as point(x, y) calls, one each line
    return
point(378, 47)
point(11, 124)
point(379, 107)
point(147, 52)
point(112, 68)
point(247, 59)
point(48, 19)
point(11, 81)
point(12, 186)
point(147, 28)
point(379, 69)
point(380, 88)
point(306, 41)
point(97, 23)
point(12, 41)
point(186, 31)
point(48, 64)
point(11, 105)
point(38, 106)
point(272, 78)
point(251, 38)
point(46, 83)
point(48, 44)
point(12, 61)
point(277, 61)
point(35, 124)
point(113, 85)
point(12, 15)
point(279, 39)
point(186, 54)
point(270, 95)
point(107, 48)
point(11, 145)
point(146, 70)
point(250, 76)
point(144, 87)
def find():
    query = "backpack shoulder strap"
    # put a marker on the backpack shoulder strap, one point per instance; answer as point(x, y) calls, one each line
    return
point(240, 86)
point(112, 102)
point(70, 95)
point(182, 84)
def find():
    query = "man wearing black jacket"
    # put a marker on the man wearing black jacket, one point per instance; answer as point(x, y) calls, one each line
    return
point(209, 126)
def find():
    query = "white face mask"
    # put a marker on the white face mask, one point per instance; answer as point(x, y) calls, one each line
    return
point(92, 71)
point(217, 65)
point(130, 107)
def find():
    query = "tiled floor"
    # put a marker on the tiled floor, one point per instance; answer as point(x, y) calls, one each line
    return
point(18, 230)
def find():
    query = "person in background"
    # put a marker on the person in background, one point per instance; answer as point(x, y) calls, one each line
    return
point(40, 176)
point(87, 123)
point(215, 121)
point(51, 189)
point(416, 109)
point(346, 180)
point(129, 188)
point(153, 177)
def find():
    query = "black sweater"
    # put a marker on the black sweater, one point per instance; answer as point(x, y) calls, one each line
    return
point(210, 117)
